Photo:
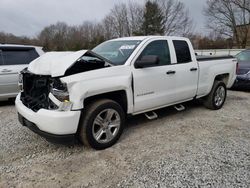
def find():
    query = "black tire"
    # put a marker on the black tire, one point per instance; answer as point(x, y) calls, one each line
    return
point(87, 125)
point(210, 99)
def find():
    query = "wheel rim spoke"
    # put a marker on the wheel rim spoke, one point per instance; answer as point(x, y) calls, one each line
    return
point(115, 123)
point(99, 134)
point(99, 120)
point(109, 115)
point(109, 135)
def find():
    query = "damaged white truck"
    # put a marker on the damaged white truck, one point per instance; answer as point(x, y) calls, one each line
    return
point(87, 95)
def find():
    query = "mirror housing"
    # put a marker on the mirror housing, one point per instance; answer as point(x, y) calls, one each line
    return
point(147, 61)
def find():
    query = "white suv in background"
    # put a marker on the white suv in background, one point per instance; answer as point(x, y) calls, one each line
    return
point(13, 59)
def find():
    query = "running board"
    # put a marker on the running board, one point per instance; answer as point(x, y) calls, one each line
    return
point(151, 115)
point(179, 107)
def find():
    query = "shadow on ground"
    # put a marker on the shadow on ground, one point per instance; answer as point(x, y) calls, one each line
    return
point(162, 113)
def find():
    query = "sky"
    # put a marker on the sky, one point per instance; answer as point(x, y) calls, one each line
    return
point(29, 17)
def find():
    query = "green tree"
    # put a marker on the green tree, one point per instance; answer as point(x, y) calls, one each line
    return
point(153, 23)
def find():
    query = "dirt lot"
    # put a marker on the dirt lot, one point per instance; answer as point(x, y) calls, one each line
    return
point(193, 148)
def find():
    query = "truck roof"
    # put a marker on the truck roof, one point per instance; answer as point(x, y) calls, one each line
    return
point(141, 38)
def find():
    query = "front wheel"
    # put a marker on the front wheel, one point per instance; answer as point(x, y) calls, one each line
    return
point(102, 124)
point(217, 96)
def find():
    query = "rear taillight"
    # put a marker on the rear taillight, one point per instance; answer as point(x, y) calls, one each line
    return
point(237, 68)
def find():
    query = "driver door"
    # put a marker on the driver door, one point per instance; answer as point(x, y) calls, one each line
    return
point(154, 86)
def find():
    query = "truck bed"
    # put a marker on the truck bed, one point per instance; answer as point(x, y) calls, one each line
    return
point(209, 67)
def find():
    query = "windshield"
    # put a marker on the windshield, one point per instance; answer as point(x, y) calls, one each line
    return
point(117, 51)
point(244, 56)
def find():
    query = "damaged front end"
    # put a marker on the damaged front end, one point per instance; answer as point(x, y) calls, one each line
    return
point(40, 91)
point(45, 90)
point(39, 112)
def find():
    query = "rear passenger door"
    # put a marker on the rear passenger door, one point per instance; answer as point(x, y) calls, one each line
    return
point(13, 60)
point(186, 76)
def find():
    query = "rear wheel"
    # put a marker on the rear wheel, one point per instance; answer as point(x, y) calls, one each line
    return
point(102, 124)
point(217, 96)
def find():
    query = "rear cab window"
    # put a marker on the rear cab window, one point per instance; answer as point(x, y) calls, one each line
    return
point(17, 56)
point(182, 51)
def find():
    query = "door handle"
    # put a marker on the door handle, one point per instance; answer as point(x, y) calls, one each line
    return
point(170, 72)
point(6, 70)
point(193, 69)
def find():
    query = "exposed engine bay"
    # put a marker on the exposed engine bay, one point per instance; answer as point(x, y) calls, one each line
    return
point(89, 61)
point(35, 91)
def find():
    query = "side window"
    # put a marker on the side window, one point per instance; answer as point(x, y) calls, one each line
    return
point(182, 51)
point(1, 58)
point(18, 57)
point(159, 48)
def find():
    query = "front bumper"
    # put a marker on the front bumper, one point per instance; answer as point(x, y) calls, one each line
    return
point(69, 138)
point(49, 123)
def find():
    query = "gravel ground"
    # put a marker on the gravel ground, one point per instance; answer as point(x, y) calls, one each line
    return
point(193, 148)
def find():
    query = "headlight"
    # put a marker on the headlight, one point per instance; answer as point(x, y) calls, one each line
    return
point(59, 90)
point(62, 96)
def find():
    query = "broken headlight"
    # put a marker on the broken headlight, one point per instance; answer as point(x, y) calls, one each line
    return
point(59, 90)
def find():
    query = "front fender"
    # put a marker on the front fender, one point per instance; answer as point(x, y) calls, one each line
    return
point(81, 90)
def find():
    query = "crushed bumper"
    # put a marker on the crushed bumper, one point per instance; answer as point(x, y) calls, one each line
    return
point(51, 124)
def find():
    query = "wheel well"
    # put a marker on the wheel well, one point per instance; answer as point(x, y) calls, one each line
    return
point(118, 96)
point(222, 77)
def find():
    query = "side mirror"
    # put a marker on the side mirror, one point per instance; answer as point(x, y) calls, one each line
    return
point(147, 61)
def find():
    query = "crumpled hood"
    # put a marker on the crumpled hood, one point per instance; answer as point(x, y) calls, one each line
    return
point(55, 63)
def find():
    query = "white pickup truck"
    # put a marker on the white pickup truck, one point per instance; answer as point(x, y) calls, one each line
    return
point(88, 94)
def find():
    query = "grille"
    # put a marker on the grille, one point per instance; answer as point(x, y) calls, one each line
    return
point(35, 92)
